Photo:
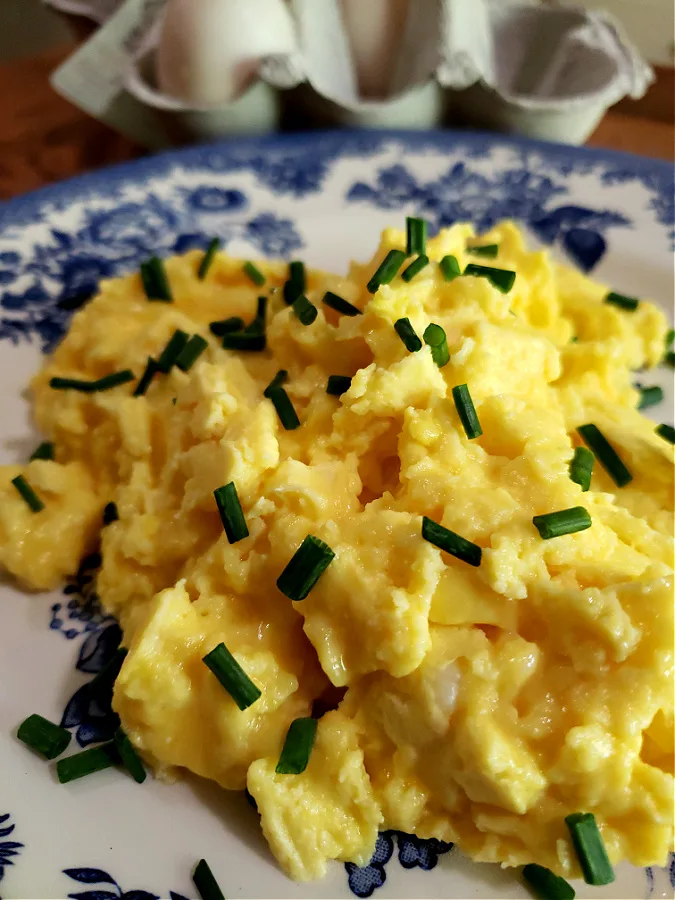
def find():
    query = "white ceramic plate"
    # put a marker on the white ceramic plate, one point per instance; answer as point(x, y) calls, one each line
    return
point(325, 197)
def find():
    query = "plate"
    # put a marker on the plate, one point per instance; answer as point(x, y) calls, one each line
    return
point(325, 196)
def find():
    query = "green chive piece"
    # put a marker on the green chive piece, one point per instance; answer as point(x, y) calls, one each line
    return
point(205, 882)
point(259, 322)
point(296, 283)
point(466, 411)
point(450, 267)
point(416, 236)
point(232, 677)
point(242, 340)
point(297, 747)
point(338, 384)
point(605, 454)
point(110, 513)
point(649, 396)
point(145, 380)
point(546, 885)
point(114, 380)
point(435, 337)
point(590, 848)
point(284, 407)
point(670, 338)
point(28, 494)
point(407, 334)
point(130, 759)
point(43, 736)
point(565, 521)
point(191, 352)
point(387, 270)
point(170, 353)
point(667, 432)
point(92, 387)
point(502, 279)
point(280, 378)
point(44, 451)
point(669, 359)
point(304, 310)
point(231, 513)
point(339, 305)
point(628, 303)
point(581, 467)
point(254, 274)
point(415, 267)
point(207, 259)
point(450, 542)
point(225, 326)
point(306, 566)
point(95, 759)
point(487, 251)
point(155, 282)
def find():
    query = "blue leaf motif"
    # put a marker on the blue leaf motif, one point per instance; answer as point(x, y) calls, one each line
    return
point(62, 239)
point(90, 876)
point(174, 896)
point(94, 895)
point(5, 831)
point(586, 247)
point(99, 648)
point(138, 895)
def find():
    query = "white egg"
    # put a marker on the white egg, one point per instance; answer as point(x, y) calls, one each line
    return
point(209, 50)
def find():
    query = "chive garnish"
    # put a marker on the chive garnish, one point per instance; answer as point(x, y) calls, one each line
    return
point(205, 882)
point(155, 282)
point(151, 370)
point(628, 303)
point(44, 451)
point(407, 334)
point(547, 885)
point(581, 467)
point(258, 323)
point(669, 359)
point(450, 267)
point(590, 848)
point(28, 494)
point(435, 337)
point(306, 566)
point(207, 259)
point(191, 352)
point(280, 378)
point(338, 384)
point(502, 279)
point(304, 310)
point(130, 759)
point(242, 340)
point(231, 513)
point(110, 513)
point(340, 305)
point(296, 282)
point(415, 267)
point(605, 454)
point(416, 236)
point(92, 387)
point(466, 411)
point(225, 326)
point(649, 396)
point(297, 747)
point(450, 542)
point(284, 407)
point(667, 432)
point(95, 759)
point(387, 270)
point(670, 338)
point(232, 677)
point(43, 736)
point(169, 354)
point(487, 251)
point(254, 274)
point(565, 521)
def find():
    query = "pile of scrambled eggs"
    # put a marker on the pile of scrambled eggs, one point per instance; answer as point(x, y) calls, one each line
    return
point(480, 705)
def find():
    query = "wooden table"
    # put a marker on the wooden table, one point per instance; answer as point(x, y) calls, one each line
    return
point(43, 138)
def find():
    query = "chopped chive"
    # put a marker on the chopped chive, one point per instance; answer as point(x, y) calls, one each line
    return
point(44, 451)
point(416, 236)
point(110, 513)
point(254, 274)
point(95, 759)
point(407, 334)
point(466, 411)
point(242, 340)
point(260, 313)
point(667, 432)
point(649, 396)
point(669, 359)
point(450, 267)
point(387, 270)
point(207, 259)
point(670, 338)
point(130, 759)
point(565, 521)
point(620, 300)
point(502, 279)
point(547, 885)
point(435, 337)
point(415, 267)
point(43, 736)
point(232, 677)
point(231, 513)
point(291, 291)
point(280, 378)
point(145, 380)
point(296, 282)
point(340, 305)
point(191, 352)
point(304, 310)
point(487, 251)
point(155, 282)
point(605, 454)
point(297, 747)
point(282, 403)
point(450, 542)
point(169, 354)
point(581, 467)
point(225, 326)
point(205, 882)
point(338, 384)
point(590, 848)
point(306, 566)
point(92, 387)
point(28, 494)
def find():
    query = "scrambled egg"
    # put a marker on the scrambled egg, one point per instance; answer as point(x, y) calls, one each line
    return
point(472, 704)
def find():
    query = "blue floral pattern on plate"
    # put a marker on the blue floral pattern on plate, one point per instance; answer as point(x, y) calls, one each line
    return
point(413, 852)
point(8, 849)
point(104, 887)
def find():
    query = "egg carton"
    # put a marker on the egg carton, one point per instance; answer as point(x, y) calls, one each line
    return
point(171, 71)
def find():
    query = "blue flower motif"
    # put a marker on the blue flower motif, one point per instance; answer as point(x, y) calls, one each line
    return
point(80, 275)
point(416, 852)
point(297, 175)
point(8, 849)
point(111, 889)
point(273, 236)
point(216, 200)
point(364, 880)
point(131, 228)
point(84, 606)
